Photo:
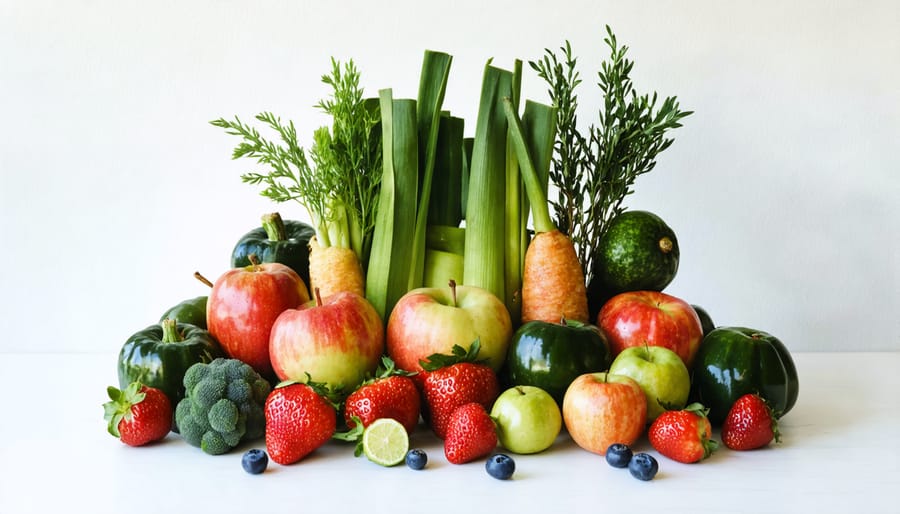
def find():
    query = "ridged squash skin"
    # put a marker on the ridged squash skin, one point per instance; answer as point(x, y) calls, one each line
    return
point(734, 361)
point(552, 355)
point(293, 251)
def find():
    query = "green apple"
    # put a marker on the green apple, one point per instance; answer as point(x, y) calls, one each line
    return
point(528, 419)
point(660, 372)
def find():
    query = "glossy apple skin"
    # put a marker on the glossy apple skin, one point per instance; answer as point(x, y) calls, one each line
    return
point(637, 318)
point(244, 303)
point(528, 419)
point(337, 342)
point(600, 409)
point(425, 321)
point(660, 372)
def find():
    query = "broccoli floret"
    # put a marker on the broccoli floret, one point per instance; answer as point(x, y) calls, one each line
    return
point(214, 444)
point(236, 370)
point(261, 390)
point(223, 416)
point(193, 376)
point(223, 405)
point(209, 390)
point(239, 391)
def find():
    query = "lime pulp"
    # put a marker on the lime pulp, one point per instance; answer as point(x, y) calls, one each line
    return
point(385, 442)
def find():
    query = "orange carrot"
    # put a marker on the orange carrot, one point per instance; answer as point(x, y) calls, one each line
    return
point(333, 269)
point(552, 278)
point(553, 282)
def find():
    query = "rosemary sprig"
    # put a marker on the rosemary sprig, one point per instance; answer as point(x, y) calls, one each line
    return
point(593, 172)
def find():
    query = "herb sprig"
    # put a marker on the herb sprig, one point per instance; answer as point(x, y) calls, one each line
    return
point(593, 172)
point(337, 180)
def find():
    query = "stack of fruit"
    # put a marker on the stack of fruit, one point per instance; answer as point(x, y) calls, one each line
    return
point(304, 340)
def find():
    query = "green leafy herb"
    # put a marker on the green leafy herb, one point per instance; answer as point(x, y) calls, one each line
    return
point(594, 171)
point(338, 181)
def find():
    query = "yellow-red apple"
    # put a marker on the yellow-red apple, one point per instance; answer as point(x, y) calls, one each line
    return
point(337, 340)
point(432, 320)
point(600, 409)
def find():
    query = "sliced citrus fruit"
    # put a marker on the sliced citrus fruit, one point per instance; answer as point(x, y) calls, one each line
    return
point(385, 442)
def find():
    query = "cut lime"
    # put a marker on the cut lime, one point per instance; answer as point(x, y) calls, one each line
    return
point(385, 442)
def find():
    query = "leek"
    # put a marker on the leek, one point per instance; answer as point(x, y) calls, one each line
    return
point(389, 261)
point(514, 248)
point(432, 86)
point(486, 202)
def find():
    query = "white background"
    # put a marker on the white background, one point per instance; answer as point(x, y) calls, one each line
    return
point(782, 187)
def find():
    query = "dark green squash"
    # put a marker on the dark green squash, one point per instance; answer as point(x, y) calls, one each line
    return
point(277, 240)
point(734, 361)
point(159, 355)
point(192, 312)
point(552, 355)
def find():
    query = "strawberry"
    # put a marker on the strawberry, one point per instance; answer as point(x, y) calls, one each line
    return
point(683, 435)
point(750, 424)
point(471, 434)
point(391, 394)
point(299, 419)
point(450, 381)
point(138, 414)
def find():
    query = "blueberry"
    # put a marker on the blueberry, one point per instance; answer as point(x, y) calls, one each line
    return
point(255, 461)
point(618, 455)
point(500, 466)
point(643, 466)
point(416, 458)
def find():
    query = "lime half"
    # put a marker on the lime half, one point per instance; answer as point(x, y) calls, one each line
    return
point(385, 442)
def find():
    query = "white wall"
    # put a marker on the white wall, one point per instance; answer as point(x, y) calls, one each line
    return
point(782, 187)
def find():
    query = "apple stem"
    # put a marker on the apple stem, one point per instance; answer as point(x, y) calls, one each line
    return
point(452, 285)
point(318, 297)
point(254, 261)
point(562, 320)
point(203, 279)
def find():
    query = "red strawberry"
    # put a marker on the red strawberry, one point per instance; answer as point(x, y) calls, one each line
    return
point(392, 394)
point(750, 424)
point(471, 434)
point(683, 435)
point(138, 414)
point(298, 420)
point(450, 381)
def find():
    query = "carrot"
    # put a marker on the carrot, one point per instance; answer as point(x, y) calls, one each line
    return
point(553, 282)
point(333, 269)
point(552, 278)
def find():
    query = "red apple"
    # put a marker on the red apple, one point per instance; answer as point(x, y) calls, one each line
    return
point(600, 409)
point(431, 320)
point(639, 318)
point(243, 305)
point(338, 340)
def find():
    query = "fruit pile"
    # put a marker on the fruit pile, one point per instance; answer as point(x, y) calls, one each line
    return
point(239, 364)
point(285, 349)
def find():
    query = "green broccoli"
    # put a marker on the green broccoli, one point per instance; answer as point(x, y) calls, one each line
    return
point(222, 406)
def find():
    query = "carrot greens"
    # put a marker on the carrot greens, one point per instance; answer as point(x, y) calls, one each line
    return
point(337, 180)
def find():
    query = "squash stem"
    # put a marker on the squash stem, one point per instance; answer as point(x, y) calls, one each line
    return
point(274, 226)
point(170, 331)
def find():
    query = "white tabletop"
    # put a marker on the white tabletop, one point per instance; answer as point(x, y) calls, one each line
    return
point(839, 454)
